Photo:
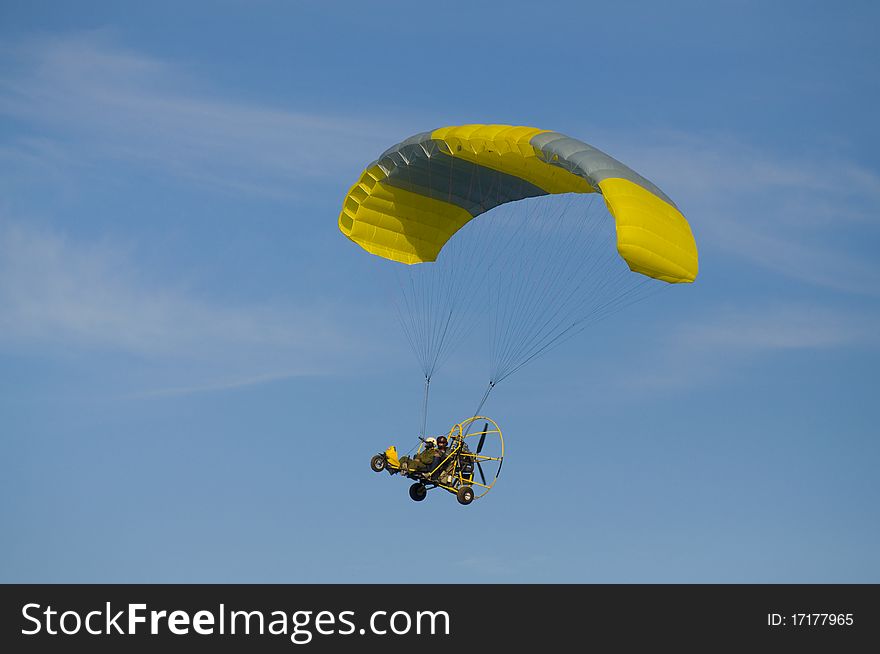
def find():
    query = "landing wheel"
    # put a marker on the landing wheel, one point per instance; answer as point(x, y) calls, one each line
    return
point(418, 492)
point(465, 495)
point(377, 463)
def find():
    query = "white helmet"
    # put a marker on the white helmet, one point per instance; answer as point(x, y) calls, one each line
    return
point(430, 441)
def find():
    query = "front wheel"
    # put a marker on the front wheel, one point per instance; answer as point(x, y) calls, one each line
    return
point(418, 492)
point(377, 463)
point(465, 495)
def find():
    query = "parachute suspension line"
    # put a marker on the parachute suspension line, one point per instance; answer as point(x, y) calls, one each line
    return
point(418, 305)
point(506, 323)
point(543, 288)
point(480, 406)
point(484, 398)
point(407, 312)
point(514, 250)
point(434, 299)
point(558, 288)
point(449, 277)
point(526, 298)
point(562, 274)
point(539, 270)
point(425, 407)
point(466, 255)
point(502, 246)
point(577, 327)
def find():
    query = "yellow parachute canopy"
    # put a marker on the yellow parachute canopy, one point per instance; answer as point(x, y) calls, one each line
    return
point(420, 192)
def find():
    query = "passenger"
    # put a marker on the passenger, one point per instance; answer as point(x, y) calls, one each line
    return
point(424, 461)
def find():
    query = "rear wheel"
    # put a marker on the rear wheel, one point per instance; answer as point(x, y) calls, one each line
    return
point(418, 492)
point(377, 463)
point(465, 495)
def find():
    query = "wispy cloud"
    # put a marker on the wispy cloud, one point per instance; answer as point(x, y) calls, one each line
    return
point(83, 106)
point(58, 294)
point(788, 327)
point(711, 348)
point(94, 101)
point(224, 384)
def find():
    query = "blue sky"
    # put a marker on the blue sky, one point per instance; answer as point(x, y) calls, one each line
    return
point(196, 366)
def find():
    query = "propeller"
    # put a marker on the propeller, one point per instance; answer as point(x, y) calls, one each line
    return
point(482, 476)
point(482, 438)
point(480, 449)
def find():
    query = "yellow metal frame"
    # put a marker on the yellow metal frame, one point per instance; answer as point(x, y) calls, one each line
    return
point(457, 435)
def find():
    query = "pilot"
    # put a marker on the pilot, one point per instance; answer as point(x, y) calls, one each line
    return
point(424, 460)
point(440, 452)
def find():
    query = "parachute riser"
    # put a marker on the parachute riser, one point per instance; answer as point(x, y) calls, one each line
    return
point(425, 407)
